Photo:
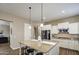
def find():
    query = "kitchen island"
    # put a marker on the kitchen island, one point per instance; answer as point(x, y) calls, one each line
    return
point(47, 47)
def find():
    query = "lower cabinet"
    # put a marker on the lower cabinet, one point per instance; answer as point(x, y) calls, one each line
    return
point(66, 51)
point(68, 47)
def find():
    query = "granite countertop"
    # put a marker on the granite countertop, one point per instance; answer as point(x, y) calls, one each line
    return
point(67, 36)
point(43, 46)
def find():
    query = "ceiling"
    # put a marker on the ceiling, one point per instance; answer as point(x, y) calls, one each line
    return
point(51, 11)
point(4, 23)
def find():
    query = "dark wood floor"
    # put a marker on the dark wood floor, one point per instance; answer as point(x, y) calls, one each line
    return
point(6, 50)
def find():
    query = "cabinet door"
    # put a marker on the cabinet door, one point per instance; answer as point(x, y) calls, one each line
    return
point(54, 30)
point(66, 51)
point(27, 32)
point(74, 28)
point(46, 27)
point(64, 25)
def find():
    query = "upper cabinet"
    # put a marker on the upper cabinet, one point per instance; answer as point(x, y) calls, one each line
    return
point(54, 30)
point(74, 28)
point(46, 27)
point(64, 25)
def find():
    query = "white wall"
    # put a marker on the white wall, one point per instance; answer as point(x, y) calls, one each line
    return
point(18, 28)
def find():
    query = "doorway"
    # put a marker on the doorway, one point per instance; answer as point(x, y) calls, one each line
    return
point(5, 37)
point(4, 32)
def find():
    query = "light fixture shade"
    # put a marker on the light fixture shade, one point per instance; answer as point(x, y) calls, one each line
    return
point(30, 27)
point(41, 25)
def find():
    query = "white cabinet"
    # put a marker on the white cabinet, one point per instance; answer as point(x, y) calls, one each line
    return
point(54, 30)
point(74, 28)
point(66, 43)
point(46, 27)
point(27, 32)
point(64, 25)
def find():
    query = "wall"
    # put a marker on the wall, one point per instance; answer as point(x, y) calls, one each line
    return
point(69, 19)
point(18, 27)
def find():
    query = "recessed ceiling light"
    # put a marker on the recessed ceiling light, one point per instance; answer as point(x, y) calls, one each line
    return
point(63, 11)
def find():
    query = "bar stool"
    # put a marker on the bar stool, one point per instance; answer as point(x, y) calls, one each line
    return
point(23, 50)
point(39, 53)
point(29, 51)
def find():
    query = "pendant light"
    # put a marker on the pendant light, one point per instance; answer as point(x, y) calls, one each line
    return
point(30, 18)
point(41, 25)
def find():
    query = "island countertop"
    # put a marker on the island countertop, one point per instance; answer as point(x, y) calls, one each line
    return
point(43, 46)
